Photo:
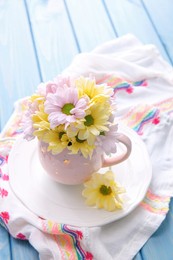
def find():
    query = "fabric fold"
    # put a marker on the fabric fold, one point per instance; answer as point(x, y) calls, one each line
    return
point(143, 89)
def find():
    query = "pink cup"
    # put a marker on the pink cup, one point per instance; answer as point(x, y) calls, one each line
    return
point(74, 169)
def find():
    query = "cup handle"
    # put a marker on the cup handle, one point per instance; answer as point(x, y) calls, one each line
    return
point(109, 161)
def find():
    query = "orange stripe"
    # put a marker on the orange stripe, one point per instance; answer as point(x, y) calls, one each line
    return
point(154, 197)
point(161, 211)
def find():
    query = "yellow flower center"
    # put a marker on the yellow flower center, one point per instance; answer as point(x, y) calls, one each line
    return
point(105, 190)
point(89, 120)
point(67, 108)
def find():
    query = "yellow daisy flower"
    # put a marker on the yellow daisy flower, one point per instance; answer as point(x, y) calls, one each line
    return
point(96, 121)
point(36, 97)
point(82, 146)
point(40, 122)
point(88, 86)
point(56, 139)
point(103, 192)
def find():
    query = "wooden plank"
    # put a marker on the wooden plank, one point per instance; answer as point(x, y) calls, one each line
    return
point(4, 244)
point(18, 67)
point(54, 39)
point(138, 257)
point(131, 17)
point(90, 22)
point(160, 245)
point(162, 20)
point(55, 54)
point(19, 74)
point(22, 250)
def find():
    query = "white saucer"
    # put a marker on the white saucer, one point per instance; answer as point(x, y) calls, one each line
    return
point(65, 204)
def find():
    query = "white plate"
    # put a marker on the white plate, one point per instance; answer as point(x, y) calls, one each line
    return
point(65, 204)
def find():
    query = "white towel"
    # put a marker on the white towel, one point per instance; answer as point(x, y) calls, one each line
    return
point(143, 84)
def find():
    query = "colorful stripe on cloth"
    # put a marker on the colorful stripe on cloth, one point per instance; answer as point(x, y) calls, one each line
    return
point(15, 127)
point(68, 239)
point(141, 115)
point(166, 106)
point(6, 142)
point(120, 84)
point(156, 204)
point(2, 160)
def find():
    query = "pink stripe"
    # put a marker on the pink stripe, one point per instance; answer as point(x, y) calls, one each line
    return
point(162, 211)
point(102, 79)
point(152, 196)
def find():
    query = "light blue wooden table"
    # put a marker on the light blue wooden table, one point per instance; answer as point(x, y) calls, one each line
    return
point(39, 38)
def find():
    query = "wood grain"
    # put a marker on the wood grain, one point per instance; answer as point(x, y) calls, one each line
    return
point(129, 16)
point(54, 40)
point(18, 66)
point(90, 22)
point(138, 257)
point(161, 15)
point(4, 244)
point(22, 250)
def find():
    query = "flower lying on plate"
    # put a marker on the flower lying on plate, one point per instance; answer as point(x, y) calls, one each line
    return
point(103, 192)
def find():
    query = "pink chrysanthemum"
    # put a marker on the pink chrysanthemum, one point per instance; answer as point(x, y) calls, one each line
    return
point(64, 106)
point(44, 89)
point(27, 121)
point(63, 80)
point(107, 140)
point(28, 128)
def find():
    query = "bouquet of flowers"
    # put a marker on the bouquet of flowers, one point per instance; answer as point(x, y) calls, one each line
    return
point(77, 115)
point(73, 114)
